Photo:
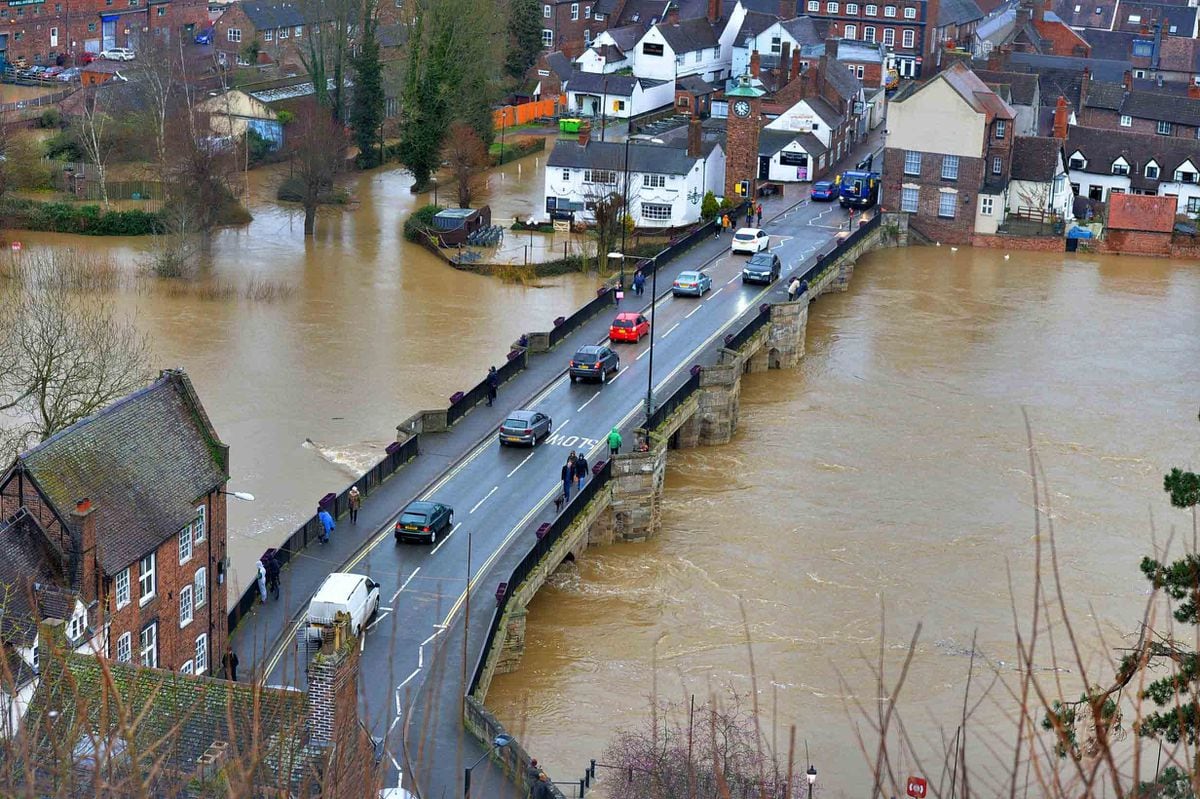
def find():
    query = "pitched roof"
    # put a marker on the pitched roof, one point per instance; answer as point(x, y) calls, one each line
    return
point(1108, 96)
point(1101, 69)
point(643, 156)
point(1101, 147)
point(558, 63)
point(1035, 158)
point(598, 83)
point(1145, 104)
point(1061, 38)
point(976, 93)
point(30, 564)
point(642, 12)
point(694, 84)
point(839, 76)
point(1179, 54)
point(1092, 14)
point(1023, 85)
point(143, 461)
point(1111, 45)
point(958, 12)
point(689, 35)
point(806, 30)
point(268, 16)
point(1181, 16)
point(1141, 212)
point(626, 37)
point(771, 141)
point(753, 24)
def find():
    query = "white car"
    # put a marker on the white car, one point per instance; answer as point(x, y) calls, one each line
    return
point(353, 594)
point(118, 54)
point(750, 240)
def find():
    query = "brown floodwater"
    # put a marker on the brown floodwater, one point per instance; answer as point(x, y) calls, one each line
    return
point(888, 472)
point(308, 389)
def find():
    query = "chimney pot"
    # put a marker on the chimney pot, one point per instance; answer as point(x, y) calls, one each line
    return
point(1127, 79)
point(794, 70)
point(755, 60)
point(1194, 91)
point(695, 138)
point(1061, 114)
point(831, 48)
point(83, 505)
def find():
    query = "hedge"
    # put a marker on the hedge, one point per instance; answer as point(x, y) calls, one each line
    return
point(517, 148)
point(87, 220)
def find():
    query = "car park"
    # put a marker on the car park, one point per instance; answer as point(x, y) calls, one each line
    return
point(750, 239)
point(763, 267)
point(524, 427)
point(629, 326)
point(691, 283)
point(353, 594)
point(594, 363)
point(67, 75)
point(118, 54)
point(823, 191)
point(424, 521)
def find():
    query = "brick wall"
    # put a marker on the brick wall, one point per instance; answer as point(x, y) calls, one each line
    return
point(1111, 120)
point(1135, 242)
point(1025, 243)
point(569, 33)
point(926, 220)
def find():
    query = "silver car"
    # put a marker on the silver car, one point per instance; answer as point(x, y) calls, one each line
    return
point(524, 427)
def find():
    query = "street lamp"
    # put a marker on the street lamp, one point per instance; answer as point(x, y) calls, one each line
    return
point(499, 742)
point(244, 496)
point(503, 120)
point(653, 305)
point(434, 181)
point(625, 201)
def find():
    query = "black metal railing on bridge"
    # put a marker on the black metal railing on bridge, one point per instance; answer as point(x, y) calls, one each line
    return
point(463, 402)
point(734, 341)
point(826, 260)
point(397, 455)
point(666, 407)
point(547, 536)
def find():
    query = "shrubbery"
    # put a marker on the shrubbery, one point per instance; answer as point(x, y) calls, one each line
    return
point(419, 222)
point(88, 220)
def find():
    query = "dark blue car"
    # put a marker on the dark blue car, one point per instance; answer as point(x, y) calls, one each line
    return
point(823, 191)
point(204, 37)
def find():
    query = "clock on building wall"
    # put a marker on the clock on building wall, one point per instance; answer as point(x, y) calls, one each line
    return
point(741, 108)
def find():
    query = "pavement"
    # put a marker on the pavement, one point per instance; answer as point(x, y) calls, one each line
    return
point(418, 653)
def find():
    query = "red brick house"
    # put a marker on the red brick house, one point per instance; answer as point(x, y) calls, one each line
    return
point(127, 509)
point(1122, 106)
point(904, 27)
point(569, 26)
point(1139, 224)
point(252, 32)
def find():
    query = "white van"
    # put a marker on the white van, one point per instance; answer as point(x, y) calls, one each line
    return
point(355, 594)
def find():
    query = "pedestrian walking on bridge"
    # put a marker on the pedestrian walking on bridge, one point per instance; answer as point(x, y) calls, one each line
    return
point(493, 383)
point(614, 442)
point(793, 289)
point(327, 524)
point(581, 470)
point(568, 477)
point(354, 500)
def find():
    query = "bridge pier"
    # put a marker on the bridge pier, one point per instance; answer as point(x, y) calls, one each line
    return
point(637, 491)
point(514, 640)
point(841, 281)
point(785, 337)
point(720, 399)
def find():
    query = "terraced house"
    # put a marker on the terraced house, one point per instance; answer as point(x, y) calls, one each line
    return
point(117, 525)
point(1102, 163)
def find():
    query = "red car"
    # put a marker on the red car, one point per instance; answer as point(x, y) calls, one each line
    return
point(628, 326)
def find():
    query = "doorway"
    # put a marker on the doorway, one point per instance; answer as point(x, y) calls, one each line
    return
point(764, 167)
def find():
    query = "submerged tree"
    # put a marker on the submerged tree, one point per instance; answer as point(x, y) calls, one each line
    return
point(367, 102)
point(468, 158)
point(318, 147)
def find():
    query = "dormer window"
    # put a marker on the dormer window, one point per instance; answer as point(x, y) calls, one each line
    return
point(1077, 161)
point(1152, 171)
point(1119, 167)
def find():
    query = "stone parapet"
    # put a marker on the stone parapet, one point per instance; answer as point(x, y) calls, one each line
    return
point(514, 639)
point(785, 337)
point(720, 397)
point(637, 486)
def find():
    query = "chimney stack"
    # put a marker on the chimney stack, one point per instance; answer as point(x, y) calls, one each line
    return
point(695, 139)
point(585, 134)
point(794, 70)
point(787, 9)
point(1085, 85)
point(1194, 91)
point(1061, 116)
point(1040, 8)
point(831, 48)
point(1127, 80)
point(754, 63)
point(333, 683)
point(714, 11)
point(1023, 14)
point(785, 56)
point(672, 15)
point(84, 520)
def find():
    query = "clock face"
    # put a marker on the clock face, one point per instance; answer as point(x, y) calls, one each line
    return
point(741, 108)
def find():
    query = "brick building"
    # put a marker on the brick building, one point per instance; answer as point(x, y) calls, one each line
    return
point(128, 510)
point(41, 31)
point(1124, 107)
point(943, 175)
point(569, 26)
point(1139, 225)
point(902, 26)
point(251, 32)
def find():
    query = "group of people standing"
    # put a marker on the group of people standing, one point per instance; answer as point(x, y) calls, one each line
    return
point(575, 470)
point(728, 220)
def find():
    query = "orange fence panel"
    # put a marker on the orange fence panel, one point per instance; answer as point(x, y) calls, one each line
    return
point(512, 115)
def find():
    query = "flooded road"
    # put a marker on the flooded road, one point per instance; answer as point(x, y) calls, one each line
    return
point(888, 472)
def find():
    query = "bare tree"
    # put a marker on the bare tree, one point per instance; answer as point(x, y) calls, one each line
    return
point(158, 75)
point(608, 211)
point(317, 148)
point(95, 135)
point(328, 43)
point(63, 356)
point(468, 158)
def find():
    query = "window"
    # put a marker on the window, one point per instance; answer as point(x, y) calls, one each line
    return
point(889, 37)
point(283, 33)
point(1193, 205)
point(947, 204)
point(831, 8)
point(985, 206)
point(1001, 128)
point(908, 198)
point(1183, 176)
point(889, 11)
point(161, 11)
point(546, 12)
point(1134, 18)
point(652, 48)
point(268, 36)
point(859, 71)
point(587, 12)
point(912, 162)
point(299, 31)
point(1152, 171)
point(202, 653)
point(587, 36)
point(1126, 120)
point(869, 34)
point(1164, 128)
point(200, 587)
point(997, 165)
point(1139, 73)
point(1120, 168)
point(186, 668)
point(122, 588)
point(814, 5)
point(574, 11)
point(656, 211)
point(605, 176)
point(908, 39)
point(852, 9)
point(851, 32)
point(125, 648)
point(76, 624)
point(1077, 162)
point(566, 174)
point(654, 181)
point(872, 10)
point(233, 34)
point(950, 167)
point(146, 579)
point(696, 56)
point(547, 38)
point(776, 45)
point(185, 606)
point(185, 544)
point(200, 525)
point(148, 643)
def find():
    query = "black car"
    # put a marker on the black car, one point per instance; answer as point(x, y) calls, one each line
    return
point(422, 521)
point(594, 363)
point(763, 267)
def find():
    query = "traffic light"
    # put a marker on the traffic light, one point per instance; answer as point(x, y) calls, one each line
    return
point(744, 188)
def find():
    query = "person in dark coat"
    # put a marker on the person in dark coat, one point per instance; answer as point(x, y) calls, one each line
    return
point(639, 283)
point(568, 477)
point(493, 383)
point(581, 470)
point(231, 663)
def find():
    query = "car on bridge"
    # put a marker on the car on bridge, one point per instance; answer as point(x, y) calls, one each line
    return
point(356, 595)
point(629, 326)
point(422, 521)
point(594, 362)
point(524, 427)
point(691, 282)
point(763, 267)
point(750, 239)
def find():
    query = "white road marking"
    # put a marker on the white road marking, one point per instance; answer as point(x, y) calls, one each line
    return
point(405, 584)
point(480, 502)
point(379, 618)
point(522, 463)
point(664, 335)
point(689, 313)
point(643, 352)
point(715, 293)
point(584, 405)
point(407, 680)
point(430, 638)
point(447, 538)
point(732, 279)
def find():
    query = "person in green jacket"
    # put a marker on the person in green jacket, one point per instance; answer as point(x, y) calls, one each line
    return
point(614, 442)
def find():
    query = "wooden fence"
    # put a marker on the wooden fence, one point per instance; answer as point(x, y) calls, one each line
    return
point(512, 115)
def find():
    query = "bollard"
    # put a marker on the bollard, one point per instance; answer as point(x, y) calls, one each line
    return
point(582, 788)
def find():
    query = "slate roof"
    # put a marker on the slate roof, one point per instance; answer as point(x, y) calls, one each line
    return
point(689, 35)
point(1035, 158)
point(958, 12)
point(626, 37)
point(1100, 147)
point(33, 576)
point(597, 83)
point(1109, 70)
point(1181, 16)
point(839, 76)
point(694, 84)
point(806, 30)
point(643, 157)
point(1023, 85)
point(976, 93)
point(268, 16)
point(642, 12)
point(1178, 54)
point(1140, 212)
point(143, 461)
point(1110, 45)
point(558, 63)
point(1108, 96)
point(1087, 16)
point(772, 141)
point(1143, 104)
point(753, 24)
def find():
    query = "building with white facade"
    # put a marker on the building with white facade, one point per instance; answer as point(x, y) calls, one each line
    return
point(1038, 181)
point(611, 50)
point(1104, 162)
point(667, 182)
point(772, 38)
point(594, 94)
point(671, 50)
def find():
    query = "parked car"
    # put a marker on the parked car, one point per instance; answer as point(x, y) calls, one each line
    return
point(52, 72)
point(87, 58)
point(594, 362)
point(628, 326)
point(823, 191)
point(423, 521)
point(69, 74)
point(763, 267)
point(750, 239)
point(524, 427)
point(204, 36)
point(355, 594)
point(691, 283)
point(118, 54)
